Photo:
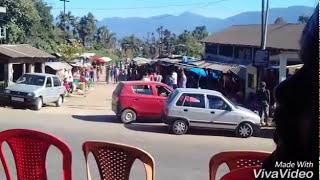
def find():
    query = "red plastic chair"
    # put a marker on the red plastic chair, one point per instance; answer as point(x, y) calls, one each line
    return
point(236, 160)
point(115, 160)
point(29, 149)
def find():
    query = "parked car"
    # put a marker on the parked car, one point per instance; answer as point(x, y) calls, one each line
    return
point(132, 100)
point(199, 108)
point(36, 89)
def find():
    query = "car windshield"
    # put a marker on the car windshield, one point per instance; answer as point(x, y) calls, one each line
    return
point(30, 79)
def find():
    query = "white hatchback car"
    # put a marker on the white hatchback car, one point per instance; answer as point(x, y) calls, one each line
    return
point(187, 108)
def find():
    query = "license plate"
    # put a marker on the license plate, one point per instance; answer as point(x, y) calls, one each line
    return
point(17, 99)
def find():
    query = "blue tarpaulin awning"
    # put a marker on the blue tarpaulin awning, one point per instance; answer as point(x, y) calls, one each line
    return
point(202, 73)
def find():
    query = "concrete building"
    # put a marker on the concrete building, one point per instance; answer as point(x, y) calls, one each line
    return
point(238, 45)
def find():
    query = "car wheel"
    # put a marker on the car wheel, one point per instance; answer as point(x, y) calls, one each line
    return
point(128, 116)
point(38, 104)
point(59, 101)
point(179, 127)
point(245, 130)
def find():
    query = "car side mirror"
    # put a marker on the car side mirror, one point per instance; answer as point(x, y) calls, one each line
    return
point(48, 85)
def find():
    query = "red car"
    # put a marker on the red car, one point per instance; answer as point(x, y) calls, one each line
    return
point(132, 100)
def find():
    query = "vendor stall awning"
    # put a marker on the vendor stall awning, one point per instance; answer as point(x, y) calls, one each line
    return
point(58, 65)
point(106, 59)
point(220, 67)
point(141, 60)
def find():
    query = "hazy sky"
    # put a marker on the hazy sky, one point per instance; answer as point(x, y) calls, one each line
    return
point(147, 8)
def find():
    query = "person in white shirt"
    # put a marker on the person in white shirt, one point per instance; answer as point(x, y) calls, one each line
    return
point(145, 77)
point(183, 80)
point(158, 77)
point(174, 76)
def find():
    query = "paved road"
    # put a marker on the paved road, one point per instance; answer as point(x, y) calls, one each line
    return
point(90, 118)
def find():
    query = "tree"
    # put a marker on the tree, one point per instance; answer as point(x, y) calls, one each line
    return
point(29, 21)
point(106, 38)
point(87, 29)
point(70, 51)
point(132, 46)
point(280, 20)
point(303, 19)
point(200, 32)
point(67, 23)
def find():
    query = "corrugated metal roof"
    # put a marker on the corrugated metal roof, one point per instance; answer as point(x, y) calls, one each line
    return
point(23, 51)
point(280, 36)
point(58, 65)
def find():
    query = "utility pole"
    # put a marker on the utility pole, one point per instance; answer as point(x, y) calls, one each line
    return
point(64, 13)
point(264, 32)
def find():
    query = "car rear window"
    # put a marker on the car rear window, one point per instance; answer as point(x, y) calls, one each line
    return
point(56, 82)
point(118, 89)
point(191, 100)
point(142, 89)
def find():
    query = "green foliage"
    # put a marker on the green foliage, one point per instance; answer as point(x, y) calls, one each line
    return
point(29, 21)
point(87, 29)
point(131, 46)
point(105, 38)
point(70, 51)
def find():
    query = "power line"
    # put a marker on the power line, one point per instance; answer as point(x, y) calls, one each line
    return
point(148, 7)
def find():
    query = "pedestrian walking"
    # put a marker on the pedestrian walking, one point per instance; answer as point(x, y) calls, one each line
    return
point(116, 75)
point(107, 74)
point(263, 96)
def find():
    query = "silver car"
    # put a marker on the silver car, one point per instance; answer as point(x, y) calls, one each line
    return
point(187, 108)
point(36, 89)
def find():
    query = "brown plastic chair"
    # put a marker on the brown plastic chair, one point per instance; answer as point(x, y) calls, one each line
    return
point(115, 160)
point(236, 160)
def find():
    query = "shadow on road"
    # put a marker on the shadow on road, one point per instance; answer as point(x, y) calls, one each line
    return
point(163, 129)
point(97, 118)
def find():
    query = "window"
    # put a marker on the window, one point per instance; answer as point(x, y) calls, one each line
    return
point(211, 48)
point(226, 50)
point(162, 91)
point(30, 79)
point(49, 82)
point(142, 89)
point(118, 89)
point(191, 100)
point(56, 82)
point(217, 103)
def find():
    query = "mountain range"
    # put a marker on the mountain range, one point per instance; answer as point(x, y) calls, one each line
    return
point(140, 27)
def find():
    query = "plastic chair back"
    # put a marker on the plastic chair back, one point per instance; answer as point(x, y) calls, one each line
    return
point(29, 149)
point(115, 160)
point(236, 160)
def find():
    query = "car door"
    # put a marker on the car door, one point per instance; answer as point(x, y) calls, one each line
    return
point(143, 101)
point(220, 113)
point(191, 106)
point(57, 88)
point(47, 92)
point(161, 94)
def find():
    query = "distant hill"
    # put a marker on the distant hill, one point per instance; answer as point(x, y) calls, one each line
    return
point(188, 21)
